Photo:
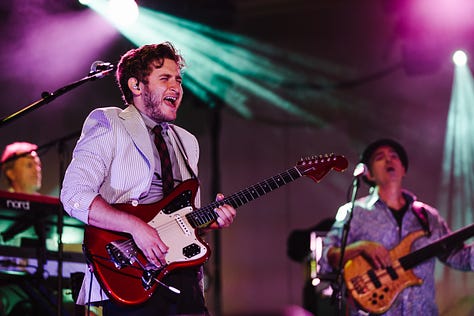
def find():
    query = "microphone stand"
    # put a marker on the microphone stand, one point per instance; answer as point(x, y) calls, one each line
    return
point(345, 233)
point(47, 97)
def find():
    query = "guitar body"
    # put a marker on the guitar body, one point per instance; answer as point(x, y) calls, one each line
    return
point(376, 290)
point(124, 284)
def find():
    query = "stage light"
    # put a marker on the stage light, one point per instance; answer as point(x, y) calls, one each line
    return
point(456, 192)
point(121, 13)
point(224, 66)
point(460, 58)
point(246, 75)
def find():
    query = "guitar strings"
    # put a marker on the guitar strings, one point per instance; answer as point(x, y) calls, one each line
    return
point(237, 199)
point(241, 197)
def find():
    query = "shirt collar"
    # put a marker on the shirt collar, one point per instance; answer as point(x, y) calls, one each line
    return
point(374, 196)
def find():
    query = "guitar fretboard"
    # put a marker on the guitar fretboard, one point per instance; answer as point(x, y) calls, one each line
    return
point(203, 216)
point(440, 246)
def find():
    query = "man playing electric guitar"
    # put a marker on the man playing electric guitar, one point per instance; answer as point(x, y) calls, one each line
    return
point(135, 156)
point(386, 224)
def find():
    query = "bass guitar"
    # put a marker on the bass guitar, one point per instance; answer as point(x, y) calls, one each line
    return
point(376, 290)
point(122, 269)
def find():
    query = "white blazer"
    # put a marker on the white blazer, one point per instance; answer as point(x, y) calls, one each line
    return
point(114, 158)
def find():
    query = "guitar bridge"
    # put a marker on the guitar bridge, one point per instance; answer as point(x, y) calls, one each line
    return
point(360, 286)
point(122, 253)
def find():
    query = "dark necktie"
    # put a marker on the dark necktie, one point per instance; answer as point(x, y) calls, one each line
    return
point(166, 170)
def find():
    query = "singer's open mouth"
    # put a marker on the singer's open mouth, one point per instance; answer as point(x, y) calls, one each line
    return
point(171, 99)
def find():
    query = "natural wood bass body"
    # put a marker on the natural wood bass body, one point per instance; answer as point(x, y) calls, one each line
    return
point(376, 290)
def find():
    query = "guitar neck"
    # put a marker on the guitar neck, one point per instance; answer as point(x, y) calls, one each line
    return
point(203, 216)
point(442, 245)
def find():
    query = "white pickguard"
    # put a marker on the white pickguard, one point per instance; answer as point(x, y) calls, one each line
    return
point(178, 234)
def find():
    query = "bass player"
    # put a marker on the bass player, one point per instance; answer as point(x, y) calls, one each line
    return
point(380, 222)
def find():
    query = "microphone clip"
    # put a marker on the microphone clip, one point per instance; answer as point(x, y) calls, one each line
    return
point(100, 69)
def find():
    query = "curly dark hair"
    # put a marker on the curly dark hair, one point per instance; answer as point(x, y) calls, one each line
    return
point(139, 63)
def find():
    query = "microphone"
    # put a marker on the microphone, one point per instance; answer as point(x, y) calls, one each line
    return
point(360, 170)
point(100, 68)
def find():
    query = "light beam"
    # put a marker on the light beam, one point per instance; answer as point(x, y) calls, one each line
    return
point(233, 68)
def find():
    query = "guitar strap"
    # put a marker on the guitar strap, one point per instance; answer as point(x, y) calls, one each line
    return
point(422, 215)
point(183, 153)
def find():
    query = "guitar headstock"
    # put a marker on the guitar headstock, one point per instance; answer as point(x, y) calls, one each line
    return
point(316, 167)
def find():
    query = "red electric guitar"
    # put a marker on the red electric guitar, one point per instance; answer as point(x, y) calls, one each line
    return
point(122, 269)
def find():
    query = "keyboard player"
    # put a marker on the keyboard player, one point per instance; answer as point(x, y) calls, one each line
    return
point(21, 168)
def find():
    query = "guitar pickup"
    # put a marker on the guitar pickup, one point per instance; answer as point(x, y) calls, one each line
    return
point(393, 274)
point(373, 277)
point(181, 201)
